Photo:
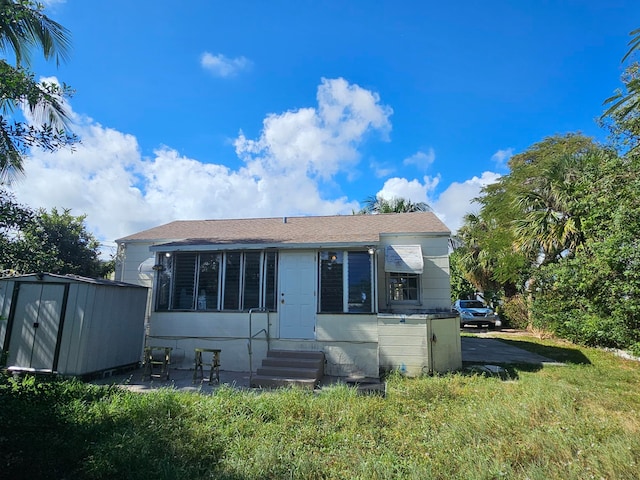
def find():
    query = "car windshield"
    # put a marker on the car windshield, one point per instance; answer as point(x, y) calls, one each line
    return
point(472, 304)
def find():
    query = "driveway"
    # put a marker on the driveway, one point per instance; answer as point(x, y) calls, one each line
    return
point(489, 350)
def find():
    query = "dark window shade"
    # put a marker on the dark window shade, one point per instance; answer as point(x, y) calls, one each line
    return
point(251, 297)
point(359, 281)
point(232, 281)
point(184, 281)
point(270, 288)
point(208, 281)
point(331, 286)
point(164, 282)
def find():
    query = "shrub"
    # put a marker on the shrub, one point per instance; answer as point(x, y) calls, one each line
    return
point(514, 311)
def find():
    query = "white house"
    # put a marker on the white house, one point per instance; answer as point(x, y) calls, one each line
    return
point(369, 291)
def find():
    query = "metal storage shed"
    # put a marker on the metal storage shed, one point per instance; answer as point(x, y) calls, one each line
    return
point(70, 325)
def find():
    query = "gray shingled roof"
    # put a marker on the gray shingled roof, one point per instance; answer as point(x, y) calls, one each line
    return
point(292, 230)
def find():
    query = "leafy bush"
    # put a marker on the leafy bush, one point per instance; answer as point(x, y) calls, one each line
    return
point(514, 311)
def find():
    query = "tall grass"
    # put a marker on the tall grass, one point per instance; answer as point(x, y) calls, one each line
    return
point(576, 421)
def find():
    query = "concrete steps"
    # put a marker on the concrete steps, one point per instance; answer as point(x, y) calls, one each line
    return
point(282, 368)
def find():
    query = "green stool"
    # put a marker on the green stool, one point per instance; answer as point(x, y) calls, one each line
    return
point(156, 362)
point(198, 372)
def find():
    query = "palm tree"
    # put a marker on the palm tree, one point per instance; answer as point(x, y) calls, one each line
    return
point(549, 225)
point(24, 27)
point(379, 204)
point(623, 103)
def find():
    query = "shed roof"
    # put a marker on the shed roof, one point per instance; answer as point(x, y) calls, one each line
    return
point(293, 230)
point(71, 278)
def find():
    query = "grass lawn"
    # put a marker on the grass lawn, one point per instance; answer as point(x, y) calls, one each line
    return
point(577, 421)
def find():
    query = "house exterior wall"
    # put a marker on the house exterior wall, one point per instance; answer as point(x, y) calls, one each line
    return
point(6, 291)
point(354, 344)
point(435, 285)
point(128, 260)
point(350, 344)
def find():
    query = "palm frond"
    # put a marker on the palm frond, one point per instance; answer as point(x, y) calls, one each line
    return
point(634, 44)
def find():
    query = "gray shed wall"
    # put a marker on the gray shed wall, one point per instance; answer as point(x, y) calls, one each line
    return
point(102, 328)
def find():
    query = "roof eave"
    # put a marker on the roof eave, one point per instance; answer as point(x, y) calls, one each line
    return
point(258, 246)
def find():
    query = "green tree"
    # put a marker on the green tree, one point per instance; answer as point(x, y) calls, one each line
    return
point(543, 182)
point(626, 102)
point(13, 218)
point(55, 242)
point(528, 218)
point(23, 28)
point(379, 204)
point(460, 286)
point(594, 297)
point(63, 245)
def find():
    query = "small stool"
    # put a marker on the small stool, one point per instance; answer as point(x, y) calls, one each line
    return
point(198, 372)
point(156, 358)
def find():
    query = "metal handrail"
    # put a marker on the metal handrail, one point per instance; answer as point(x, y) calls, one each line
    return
point(252, 336)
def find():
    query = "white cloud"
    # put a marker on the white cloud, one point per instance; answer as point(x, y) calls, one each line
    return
point(317, 143)
point(421, 159)
point(380, 170)
point(413, 190)
point(501, 157)
point(107, 178)
point(221, 66)
point(52, 3)
point(122, 192)
point(457, 200)
point(451, 205)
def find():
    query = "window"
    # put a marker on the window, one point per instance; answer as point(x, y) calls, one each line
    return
point(216, 280)
point(270, 286)
point(232, 281)
point(331, 282)
point(164, 268)
point(184, 281)
point(359, 281)
point(251, 296)
point(209, 281)
point(402, 287)
point(345, 282)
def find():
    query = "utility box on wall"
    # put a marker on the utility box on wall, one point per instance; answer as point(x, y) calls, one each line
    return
point(70, 325)
point(419, 344)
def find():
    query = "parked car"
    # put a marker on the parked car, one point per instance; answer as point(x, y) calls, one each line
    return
point(474, 312)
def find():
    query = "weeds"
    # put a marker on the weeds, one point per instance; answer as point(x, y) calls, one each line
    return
point(571, 422)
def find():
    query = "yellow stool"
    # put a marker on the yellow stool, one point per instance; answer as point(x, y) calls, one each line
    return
point(156, 358)
point(198, 372)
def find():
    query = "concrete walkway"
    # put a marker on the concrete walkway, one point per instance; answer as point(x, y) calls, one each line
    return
point(477, 350)
point(489, 350)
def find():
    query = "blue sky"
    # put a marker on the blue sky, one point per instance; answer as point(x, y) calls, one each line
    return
point(212, 109)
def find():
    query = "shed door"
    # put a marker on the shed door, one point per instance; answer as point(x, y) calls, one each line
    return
point(36, 320)
point(297, 297)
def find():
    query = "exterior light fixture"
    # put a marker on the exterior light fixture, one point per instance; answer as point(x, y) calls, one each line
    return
point(371, 250)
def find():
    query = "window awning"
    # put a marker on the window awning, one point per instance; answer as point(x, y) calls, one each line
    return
point(146, 267)
point(403, 259)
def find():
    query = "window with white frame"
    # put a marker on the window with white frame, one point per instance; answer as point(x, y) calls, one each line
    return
point(403, 287)
point(346, 282)
point(216, 280)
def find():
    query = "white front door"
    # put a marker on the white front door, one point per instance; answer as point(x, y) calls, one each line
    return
point(297, 296)
point(34, 333)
